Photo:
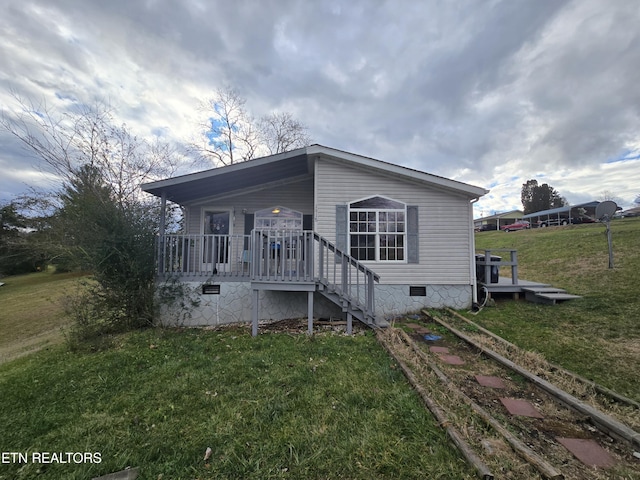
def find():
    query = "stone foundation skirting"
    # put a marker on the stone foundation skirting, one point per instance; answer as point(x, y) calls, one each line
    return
point(184, 304)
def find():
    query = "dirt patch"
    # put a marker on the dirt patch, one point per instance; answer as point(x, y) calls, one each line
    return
point(300, 326)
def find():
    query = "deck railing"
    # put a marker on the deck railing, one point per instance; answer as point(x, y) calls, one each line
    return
point(282, 256)
point(491, 263)
point(271, 256)
point(204, 255)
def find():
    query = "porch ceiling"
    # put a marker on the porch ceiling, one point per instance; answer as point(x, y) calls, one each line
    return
point(252, 173)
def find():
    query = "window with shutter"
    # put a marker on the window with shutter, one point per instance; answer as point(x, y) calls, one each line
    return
point(377, 230)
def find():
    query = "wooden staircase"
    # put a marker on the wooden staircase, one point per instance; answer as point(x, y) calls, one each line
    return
point(305, 261)
point(348, 305)
point(346, 282)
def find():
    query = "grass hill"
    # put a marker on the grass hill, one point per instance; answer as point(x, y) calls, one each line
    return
point(31, 311)
point(597, 336)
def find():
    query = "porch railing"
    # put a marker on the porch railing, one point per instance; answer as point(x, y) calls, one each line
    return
point(204, 255)
point(271, 256)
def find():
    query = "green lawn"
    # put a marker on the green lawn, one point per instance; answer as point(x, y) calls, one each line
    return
point(289, 406)
point(276, 406)
point(597, 336)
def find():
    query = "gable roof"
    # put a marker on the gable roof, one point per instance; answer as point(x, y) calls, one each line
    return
point(284, 167)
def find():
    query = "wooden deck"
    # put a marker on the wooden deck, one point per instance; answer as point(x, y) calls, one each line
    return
point(277, 260)
point(533, 291)
point(506, 285)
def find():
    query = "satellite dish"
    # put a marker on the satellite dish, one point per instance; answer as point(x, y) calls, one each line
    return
point(605, 210)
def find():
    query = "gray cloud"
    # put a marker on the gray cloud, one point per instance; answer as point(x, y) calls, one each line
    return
point(484, 91)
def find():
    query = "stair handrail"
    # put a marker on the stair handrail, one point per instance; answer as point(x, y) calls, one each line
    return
point(345, 286)
point(353, 261)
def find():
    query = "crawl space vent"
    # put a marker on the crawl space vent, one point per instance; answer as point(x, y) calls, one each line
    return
point(417, 291)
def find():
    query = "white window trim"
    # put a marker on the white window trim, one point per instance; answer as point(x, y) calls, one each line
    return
point(256, 216)
point(378, 233)
point(216, 209)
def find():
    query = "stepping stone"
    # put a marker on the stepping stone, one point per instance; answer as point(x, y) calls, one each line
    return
point(439, 349)
point(523, 408)
point(588, 452)
point(451, 359)
point(414, 326)
point(423, 331)
point(493, 382)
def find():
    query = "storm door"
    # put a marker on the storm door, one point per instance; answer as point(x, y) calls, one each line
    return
point(217, 228)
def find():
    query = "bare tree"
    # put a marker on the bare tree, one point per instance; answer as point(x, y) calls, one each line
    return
point(99, 219)
point(230, 134)
point(280, 132)
point(67, 141)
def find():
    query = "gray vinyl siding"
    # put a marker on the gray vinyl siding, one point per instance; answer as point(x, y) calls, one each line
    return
point(297, 196)
point(443, 226)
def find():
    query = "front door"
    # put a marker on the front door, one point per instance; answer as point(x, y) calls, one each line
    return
point(217, 228)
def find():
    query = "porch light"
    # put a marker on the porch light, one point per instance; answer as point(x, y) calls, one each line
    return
point(275, 211)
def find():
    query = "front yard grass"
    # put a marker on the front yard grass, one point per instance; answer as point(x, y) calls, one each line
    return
point(275, 406)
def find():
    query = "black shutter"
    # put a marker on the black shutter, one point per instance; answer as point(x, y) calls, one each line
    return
point(307, 222)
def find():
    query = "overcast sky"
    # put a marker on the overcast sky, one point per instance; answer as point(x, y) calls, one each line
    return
point(491, 93)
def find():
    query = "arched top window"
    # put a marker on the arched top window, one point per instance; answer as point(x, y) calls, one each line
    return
point(377, 203)
point(377, 229)
point(278, 218)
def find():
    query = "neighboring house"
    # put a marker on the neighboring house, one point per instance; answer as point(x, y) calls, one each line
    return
point(494, 222)
point(318, 232)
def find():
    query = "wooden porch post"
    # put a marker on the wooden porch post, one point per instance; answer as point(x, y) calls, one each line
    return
point(256, 302)
point(161, 231)
point(349, 323)
point(310, 312)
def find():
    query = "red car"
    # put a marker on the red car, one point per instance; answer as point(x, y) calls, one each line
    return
point(520, 225)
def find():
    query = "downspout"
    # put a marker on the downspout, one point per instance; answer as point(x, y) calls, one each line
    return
point(472, 263)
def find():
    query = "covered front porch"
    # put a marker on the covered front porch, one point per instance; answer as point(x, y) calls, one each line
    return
point(276, 260)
